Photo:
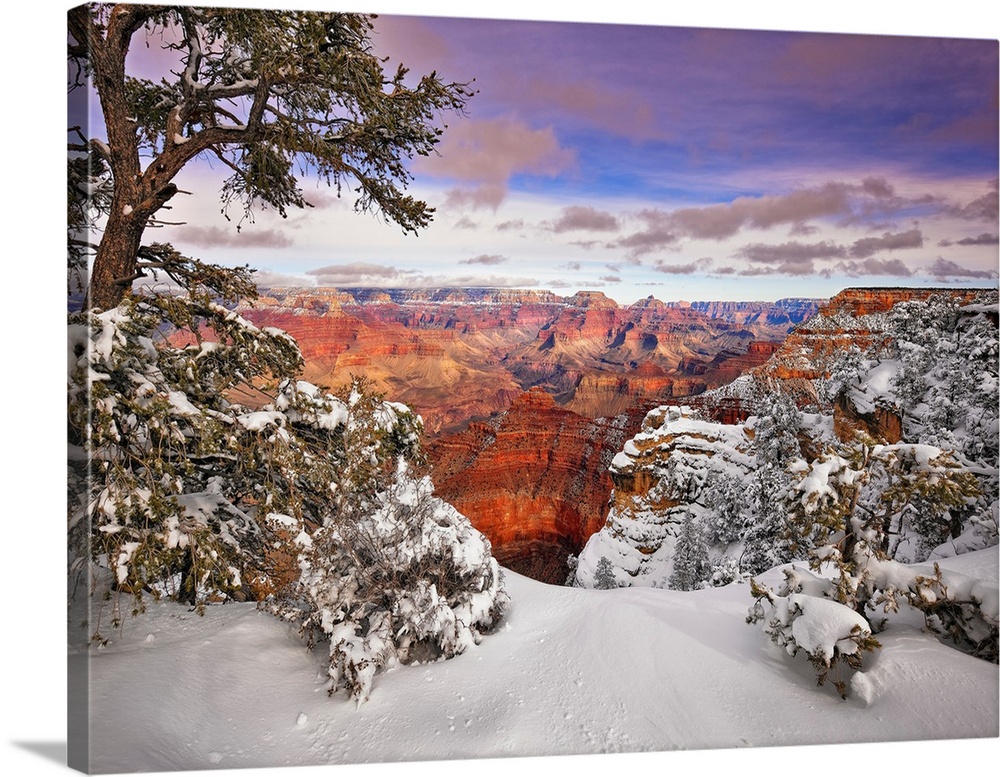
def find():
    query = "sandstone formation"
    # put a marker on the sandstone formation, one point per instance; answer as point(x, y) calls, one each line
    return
point(534, 479)
point(763, 318)
point(660, 478)
point(851, 319)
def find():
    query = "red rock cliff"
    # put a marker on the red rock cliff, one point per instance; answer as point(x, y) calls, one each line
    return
point(534, 480)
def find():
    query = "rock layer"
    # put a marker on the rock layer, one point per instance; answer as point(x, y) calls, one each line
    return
point(455, 355)
point(534, 480)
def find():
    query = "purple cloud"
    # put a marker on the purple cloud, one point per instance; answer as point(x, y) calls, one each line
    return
point(212, 237)
point(984, 208)
point(838, 201)
point(265, 279)
point(984, 239)
point(581, 217)
point(944, 270)
point(699, 265)
point(871, 266)
point(659, 234)
point(869, 246)
point(358, 274)
point(791, 252)
point(485, 259)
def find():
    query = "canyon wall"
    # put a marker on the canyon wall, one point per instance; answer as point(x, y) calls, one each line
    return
point(534, 479)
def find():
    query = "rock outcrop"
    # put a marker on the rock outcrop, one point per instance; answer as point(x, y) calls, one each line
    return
point(854, 319)
point(923, 377)
point(660, 477)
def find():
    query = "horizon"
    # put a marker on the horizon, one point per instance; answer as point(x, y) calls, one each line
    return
point(564, 294)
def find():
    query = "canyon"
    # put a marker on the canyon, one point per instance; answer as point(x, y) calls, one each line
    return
point(458, 355)
point(526, 395)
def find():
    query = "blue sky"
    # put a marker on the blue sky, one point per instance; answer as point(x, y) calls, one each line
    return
point(684, 162)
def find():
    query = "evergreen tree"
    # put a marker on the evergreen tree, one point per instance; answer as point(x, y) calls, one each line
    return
point(604, 575)
point(691, 566)
point(768, 540)
point(265, 93)
point(849, 502)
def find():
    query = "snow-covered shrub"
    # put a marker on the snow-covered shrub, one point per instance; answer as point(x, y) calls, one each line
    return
point(959, 608)
point(395, 576)
point(851, 503)
point(827, 631)
point(724, 571)
point(897, 499)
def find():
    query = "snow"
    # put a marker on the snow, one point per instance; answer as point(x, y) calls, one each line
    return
point(819, 630)
point(877, 387)
point(570, 671)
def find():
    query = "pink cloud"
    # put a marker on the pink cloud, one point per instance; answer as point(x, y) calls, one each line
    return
point(582, 217)
point(483, 155)
point(210, 237)
point(623, 114)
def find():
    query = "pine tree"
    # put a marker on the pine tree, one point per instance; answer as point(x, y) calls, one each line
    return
point(604, 575)
point(691, 566)
point(850, 501)
point(768, 540)
point(265, 93)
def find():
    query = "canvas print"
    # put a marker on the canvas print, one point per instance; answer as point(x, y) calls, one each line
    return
point(450, 388)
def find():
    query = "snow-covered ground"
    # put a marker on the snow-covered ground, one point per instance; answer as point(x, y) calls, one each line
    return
point(571, 671)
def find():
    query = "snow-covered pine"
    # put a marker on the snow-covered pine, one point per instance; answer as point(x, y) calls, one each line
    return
point(767, 539)
point(827, 631)
point(166, 470)
point(691, 567)
point(308, 501)
point(392, 574)
point(854, 506)
point(604, 575)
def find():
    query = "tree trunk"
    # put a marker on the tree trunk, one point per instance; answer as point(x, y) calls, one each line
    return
point(115, 262)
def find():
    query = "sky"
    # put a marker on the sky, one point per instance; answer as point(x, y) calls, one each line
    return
point(679, 161)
